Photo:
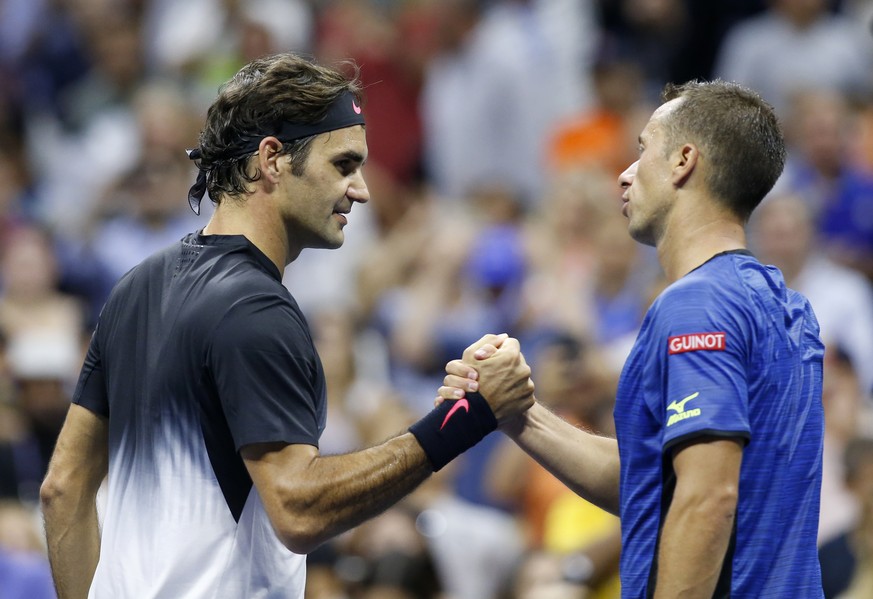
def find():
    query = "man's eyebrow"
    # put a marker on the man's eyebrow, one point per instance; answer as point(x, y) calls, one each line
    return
point(353, 156)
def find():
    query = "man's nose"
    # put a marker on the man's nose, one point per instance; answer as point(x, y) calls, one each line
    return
point(358, 190)
point(627, 177)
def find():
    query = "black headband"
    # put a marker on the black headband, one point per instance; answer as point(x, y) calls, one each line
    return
point(344, 112)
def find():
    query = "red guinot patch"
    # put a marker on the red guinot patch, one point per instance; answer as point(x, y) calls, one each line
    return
point(697, 342)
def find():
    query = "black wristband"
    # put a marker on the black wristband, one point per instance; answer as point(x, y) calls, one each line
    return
point(454, 427)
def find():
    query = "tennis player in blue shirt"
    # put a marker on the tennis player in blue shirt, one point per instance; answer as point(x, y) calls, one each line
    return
point(716, 469)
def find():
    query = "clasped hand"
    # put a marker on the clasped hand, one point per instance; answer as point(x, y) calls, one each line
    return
point(495, 367)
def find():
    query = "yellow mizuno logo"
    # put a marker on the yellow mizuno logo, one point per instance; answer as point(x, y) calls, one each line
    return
point(681, 413)
point(679, 406)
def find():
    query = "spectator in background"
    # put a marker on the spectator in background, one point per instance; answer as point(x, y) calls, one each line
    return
point(797, 44)
point(392, 558)
point(822, 169)
point(15, 197)
point(149, 215)
point(43, 53)
point(29, 300)
point(504, 77)
point(708, 23)
point(7, 386)
point(208, 40)
point(587, 277)
point(491, 280)
point(865, 133)
point(24, 569)
point(561, 242)
point(476, 548)
point(22, 466)
point(142, 213)
point(602, 136)
point(845, 415)
point(406, 220)
point(463, 283)
point(19, 530)
point(43, 365)
point(651, 33)
point(202, 43)
point(79, 156)
point(539, 575)
point(621, 288)
point(44, 331)
point(20, 473)
point(845, 560)
point(125, 216)
point(393, 43)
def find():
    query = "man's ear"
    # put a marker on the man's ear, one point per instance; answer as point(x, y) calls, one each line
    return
point(684, 162)
point(269, 163)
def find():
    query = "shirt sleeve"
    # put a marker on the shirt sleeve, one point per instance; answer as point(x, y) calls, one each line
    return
point(267, 373)
point(705, 352)
point(90, 389)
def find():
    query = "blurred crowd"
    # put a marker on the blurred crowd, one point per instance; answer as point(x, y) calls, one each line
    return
point(496, 130)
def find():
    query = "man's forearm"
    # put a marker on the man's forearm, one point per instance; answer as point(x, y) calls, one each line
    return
point(349, 489)
point(73, 540)
point(587, 463)
point(694, 541)
point(311, 498)
point(698, 525)
point(69, 501)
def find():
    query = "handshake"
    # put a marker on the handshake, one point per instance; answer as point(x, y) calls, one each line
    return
point(495, 368)
point(489, 386)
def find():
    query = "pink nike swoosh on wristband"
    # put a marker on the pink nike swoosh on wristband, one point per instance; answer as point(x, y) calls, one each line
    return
point(461, 403)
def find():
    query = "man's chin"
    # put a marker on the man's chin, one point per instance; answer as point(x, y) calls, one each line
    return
point(332, 243)
point(640, 235)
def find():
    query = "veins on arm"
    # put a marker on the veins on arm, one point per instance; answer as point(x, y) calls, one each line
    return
point(311, 498)
point(68, 497)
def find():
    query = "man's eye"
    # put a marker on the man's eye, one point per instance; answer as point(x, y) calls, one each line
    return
point(345, 166)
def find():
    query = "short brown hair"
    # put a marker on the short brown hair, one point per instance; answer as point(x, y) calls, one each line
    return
point(262, 95)
point(739, 134)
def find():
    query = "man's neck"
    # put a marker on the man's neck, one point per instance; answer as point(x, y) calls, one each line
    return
point(257, 222)
point(692, 237)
